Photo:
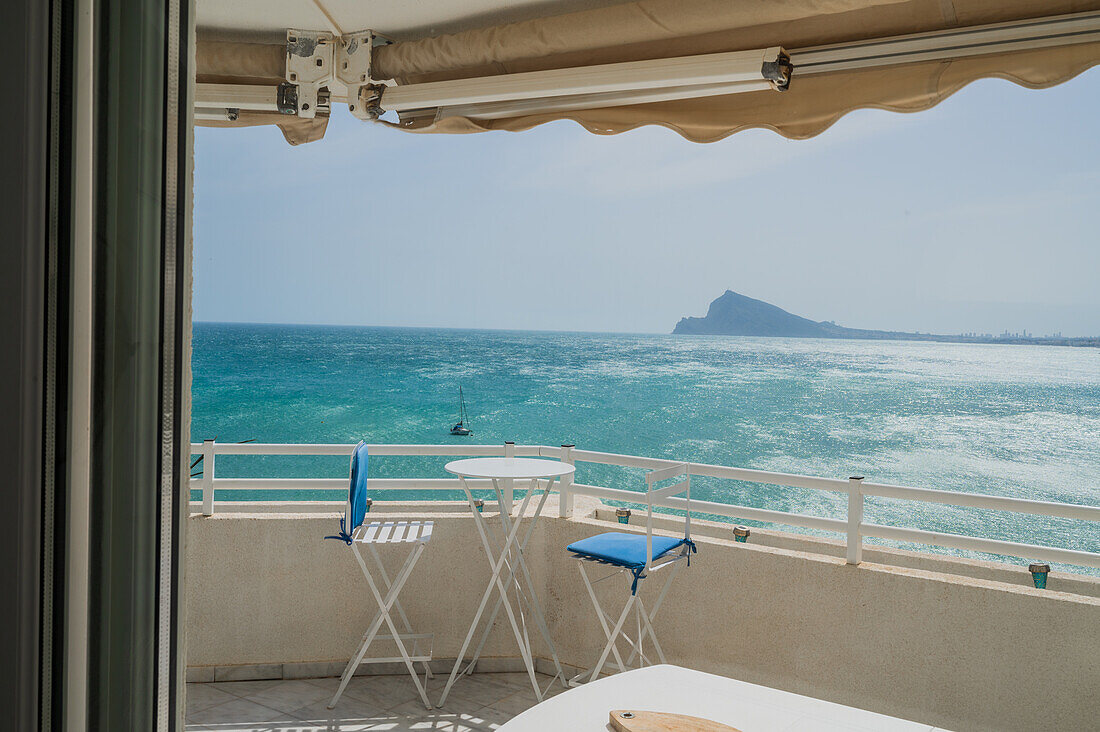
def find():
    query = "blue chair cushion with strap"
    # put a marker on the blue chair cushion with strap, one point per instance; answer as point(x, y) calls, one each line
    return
point(356, 509)
point(627, 550)
point(623, 550)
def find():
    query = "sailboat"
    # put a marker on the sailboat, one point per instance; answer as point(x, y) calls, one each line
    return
point(461, 428)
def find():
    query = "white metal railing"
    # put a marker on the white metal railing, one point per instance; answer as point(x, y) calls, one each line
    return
point(856, 488)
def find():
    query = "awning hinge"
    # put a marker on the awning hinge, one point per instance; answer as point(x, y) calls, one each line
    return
point(353, 60)
point(309, 64)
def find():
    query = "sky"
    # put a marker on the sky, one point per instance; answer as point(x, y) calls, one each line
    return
point(982, 214)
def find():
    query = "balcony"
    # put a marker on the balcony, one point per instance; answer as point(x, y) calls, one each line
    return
point(273, 611)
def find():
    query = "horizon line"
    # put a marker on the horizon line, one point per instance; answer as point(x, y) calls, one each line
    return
point(431, 327)
point(982, 339)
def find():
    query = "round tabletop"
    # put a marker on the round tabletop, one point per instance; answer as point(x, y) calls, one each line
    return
point(508, 468)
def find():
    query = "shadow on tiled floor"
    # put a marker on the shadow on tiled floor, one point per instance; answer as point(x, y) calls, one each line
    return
point(391, 703)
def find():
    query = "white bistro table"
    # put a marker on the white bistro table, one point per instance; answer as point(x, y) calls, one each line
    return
point(672, 689)
point(508, 569)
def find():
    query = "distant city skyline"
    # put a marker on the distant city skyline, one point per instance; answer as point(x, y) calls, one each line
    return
point(980, 215)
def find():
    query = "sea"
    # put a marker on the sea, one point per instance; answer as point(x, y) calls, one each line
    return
point(1006, 420)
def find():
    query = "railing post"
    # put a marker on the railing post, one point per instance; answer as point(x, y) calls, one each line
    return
point(855, 519)
point(565, 497)
point(207, 478)
point(507, 494)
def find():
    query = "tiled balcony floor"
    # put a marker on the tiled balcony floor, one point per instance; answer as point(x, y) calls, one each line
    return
point(390, 703)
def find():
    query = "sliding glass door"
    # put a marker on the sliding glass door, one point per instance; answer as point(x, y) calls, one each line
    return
point(95, 190)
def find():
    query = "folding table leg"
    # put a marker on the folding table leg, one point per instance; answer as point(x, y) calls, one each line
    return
point(521, 638)
point(495, 565)
point(536, 609)
point(496, 607)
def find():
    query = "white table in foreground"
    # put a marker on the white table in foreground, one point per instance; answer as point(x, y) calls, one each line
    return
point(666, 688)
point(504, 472)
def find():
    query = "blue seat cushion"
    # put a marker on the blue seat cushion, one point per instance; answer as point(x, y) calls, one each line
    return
point(624, 550)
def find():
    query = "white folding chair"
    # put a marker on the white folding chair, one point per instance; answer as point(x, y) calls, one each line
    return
point(386, 535)
point(640, 555)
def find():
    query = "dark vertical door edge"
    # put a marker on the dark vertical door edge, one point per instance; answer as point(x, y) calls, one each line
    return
point(23, 196)
point(134, 367)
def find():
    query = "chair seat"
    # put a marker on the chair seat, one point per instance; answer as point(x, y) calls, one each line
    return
point(395, 532)
point(623, 550)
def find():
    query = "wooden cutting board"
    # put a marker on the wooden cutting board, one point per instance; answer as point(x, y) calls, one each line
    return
point(633, 720)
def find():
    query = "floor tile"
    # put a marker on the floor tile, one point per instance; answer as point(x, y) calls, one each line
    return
point(245, 688)
point(415, 708)
point(204, 696)
point(450, 722)
point(369, 704)
point(237, 711)
point(518, 678)
point(481, 689)
point(288, 695)
point(349, 714)
point(386, 691)
point(516, 703)
point(438, 725)
point(488, 718)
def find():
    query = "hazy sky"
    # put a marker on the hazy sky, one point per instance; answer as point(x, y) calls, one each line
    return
point(981, 214)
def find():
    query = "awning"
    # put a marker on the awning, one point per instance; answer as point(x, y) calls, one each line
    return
point(252, 64)
point(819, 36)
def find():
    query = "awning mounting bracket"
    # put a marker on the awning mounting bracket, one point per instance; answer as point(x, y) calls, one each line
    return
point(309, 62)
point(352, 69)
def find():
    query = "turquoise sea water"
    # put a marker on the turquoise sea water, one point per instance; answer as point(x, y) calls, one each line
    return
point(1018, 421)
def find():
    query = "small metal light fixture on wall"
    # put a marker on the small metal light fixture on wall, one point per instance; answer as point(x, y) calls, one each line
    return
point(741, 534)
point(1039, 572)
point(623, 515)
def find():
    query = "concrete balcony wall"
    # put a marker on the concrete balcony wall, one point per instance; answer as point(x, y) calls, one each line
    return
point(947, 646)
point(266, 589)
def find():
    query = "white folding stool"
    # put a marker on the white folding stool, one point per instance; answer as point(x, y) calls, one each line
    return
point(413, 535)
point(639, 554)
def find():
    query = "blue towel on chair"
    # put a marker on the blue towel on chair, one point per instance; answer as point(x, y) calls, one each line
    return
point(356, 509)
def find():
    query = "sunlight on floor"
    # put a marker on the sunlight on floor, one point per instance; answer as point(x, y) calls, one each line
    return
point(478, 702)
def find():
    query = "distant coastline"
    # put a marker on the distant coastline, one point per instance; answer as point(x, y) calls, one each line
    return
point(736, 314)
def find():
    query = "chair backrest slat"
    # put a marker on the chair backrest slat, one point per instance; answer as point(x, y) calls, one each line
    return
point(660, 474)
point(656, 494)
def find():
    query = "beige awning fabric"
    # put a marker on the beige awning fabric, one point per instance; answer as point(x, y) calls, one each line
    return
point(651, 29)
point(253, 63)
point(629, 32)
